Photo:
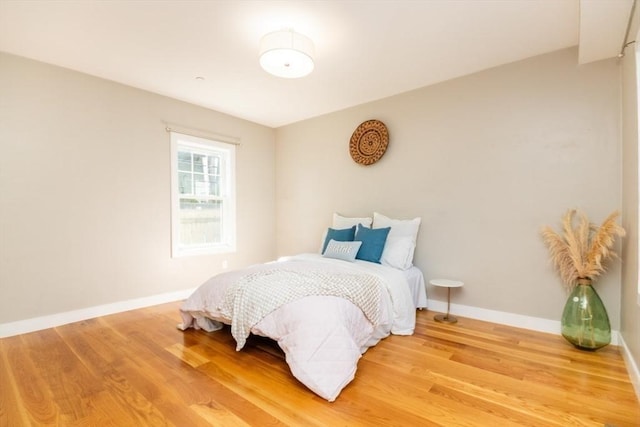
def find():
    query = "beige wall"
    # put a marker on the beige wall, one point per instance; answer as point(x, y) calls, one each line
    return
point(85, 192)
point(630, 311)
point(485, 160)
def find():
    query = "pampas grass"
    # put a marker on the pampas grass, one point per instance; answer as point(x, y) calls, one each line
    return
point(582, 250)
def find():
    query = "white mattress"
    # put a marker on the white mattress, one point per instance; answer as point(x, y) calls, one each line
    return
point(417, 286)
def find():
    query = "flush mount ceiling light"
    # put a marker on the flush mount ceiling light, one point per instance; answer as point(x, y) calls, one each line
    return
point(286, 54)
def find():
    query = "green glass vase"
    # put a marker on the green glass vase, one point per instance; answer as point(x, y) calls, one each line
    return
point(585, 322)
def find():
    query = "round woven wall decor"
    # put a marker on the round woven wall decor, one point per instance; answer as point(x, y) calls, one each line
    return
point(369, 142)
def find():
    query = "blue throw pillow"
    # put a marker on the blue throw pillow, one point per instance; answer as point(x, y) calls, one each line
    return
point(373, 240)
point(342, 235)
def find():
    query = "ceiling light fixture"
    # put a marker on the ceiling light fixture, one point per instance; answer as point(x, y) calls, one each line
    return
point(286, 54)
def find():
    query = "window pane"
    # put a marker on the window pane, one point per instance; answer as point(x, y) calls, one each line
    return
point(201, 186)
point(185, 183)
point(214, 165)
point(214, 185)
point(184, 161)
point(200, 222)
point(198, 163)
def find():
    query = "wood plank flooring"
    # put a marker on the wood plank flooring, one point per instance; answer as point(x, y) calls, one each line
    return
point(137, 369)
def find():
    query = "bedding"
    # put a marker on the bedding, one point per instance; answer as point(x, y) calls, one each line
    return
point(340, 221)
point(345, 251)
point(372, 242)
point(322, 333)
point(417, 287)
point(339, 235)
point(401, 242)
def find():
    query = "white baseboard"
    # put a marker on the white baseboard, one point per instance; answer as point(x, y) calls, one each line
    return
point(632, 367)
point(53, 320)
point(504, 318)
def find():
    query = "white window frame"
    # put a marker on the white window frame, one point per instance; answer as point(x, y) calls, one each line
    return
point(228, 194)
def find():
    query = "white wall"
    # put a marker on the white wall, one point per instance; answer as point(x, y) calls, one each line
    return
point(85, 192)
point(630, 311)
point(486, 160)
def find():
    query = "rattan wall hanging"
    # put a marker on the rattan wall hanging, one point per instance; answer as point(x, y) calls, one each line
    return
point(369, 142)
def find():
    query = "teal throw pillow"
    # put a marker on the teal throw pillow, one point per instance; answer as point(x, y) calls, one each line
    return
point(342, 235)
point(373, 240)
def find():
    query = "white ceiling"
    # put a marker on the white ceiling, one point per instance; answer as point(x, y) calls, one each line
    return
point(365, 50)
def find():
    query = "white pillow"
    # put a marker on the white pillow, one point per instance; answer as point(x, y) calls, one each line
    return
point(398, 252)
point(401, 242)
point(341, 222)
point(346, 251)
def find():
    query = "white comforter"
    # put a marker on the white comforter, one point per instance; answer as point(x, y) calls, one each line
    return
point(323, 337)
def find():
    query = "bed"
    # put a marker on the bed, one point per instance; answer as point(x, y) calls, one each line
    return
point(324, 311)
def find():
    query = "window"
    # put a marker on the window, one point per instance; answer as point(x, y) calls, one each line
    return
point(202, 196)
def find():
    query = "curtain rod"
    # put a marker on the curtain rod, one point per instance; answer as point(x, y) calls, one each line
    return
point(626, 34)
point(200, 133)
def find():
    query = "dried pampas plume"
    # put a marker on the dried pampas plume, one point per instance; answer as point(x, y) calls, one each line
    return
point(582, 250)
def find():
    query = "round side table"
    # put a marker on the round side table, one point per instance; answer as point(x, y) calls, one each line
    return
point(445, 283)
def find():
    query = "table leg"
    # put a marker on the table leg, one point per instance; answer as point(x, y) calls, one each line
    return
point(448, 302)
point(447, 318)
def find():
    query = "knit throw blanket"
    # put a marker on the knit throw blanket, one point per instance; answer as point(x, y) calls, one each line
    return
point(256, 295)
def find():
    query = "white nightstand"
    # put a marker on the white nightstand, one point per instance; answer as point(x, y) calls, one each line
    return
point(445, 283)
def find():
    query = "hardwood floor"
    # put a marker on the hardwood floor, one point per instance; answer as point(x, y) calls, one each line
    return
point(137, 369)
